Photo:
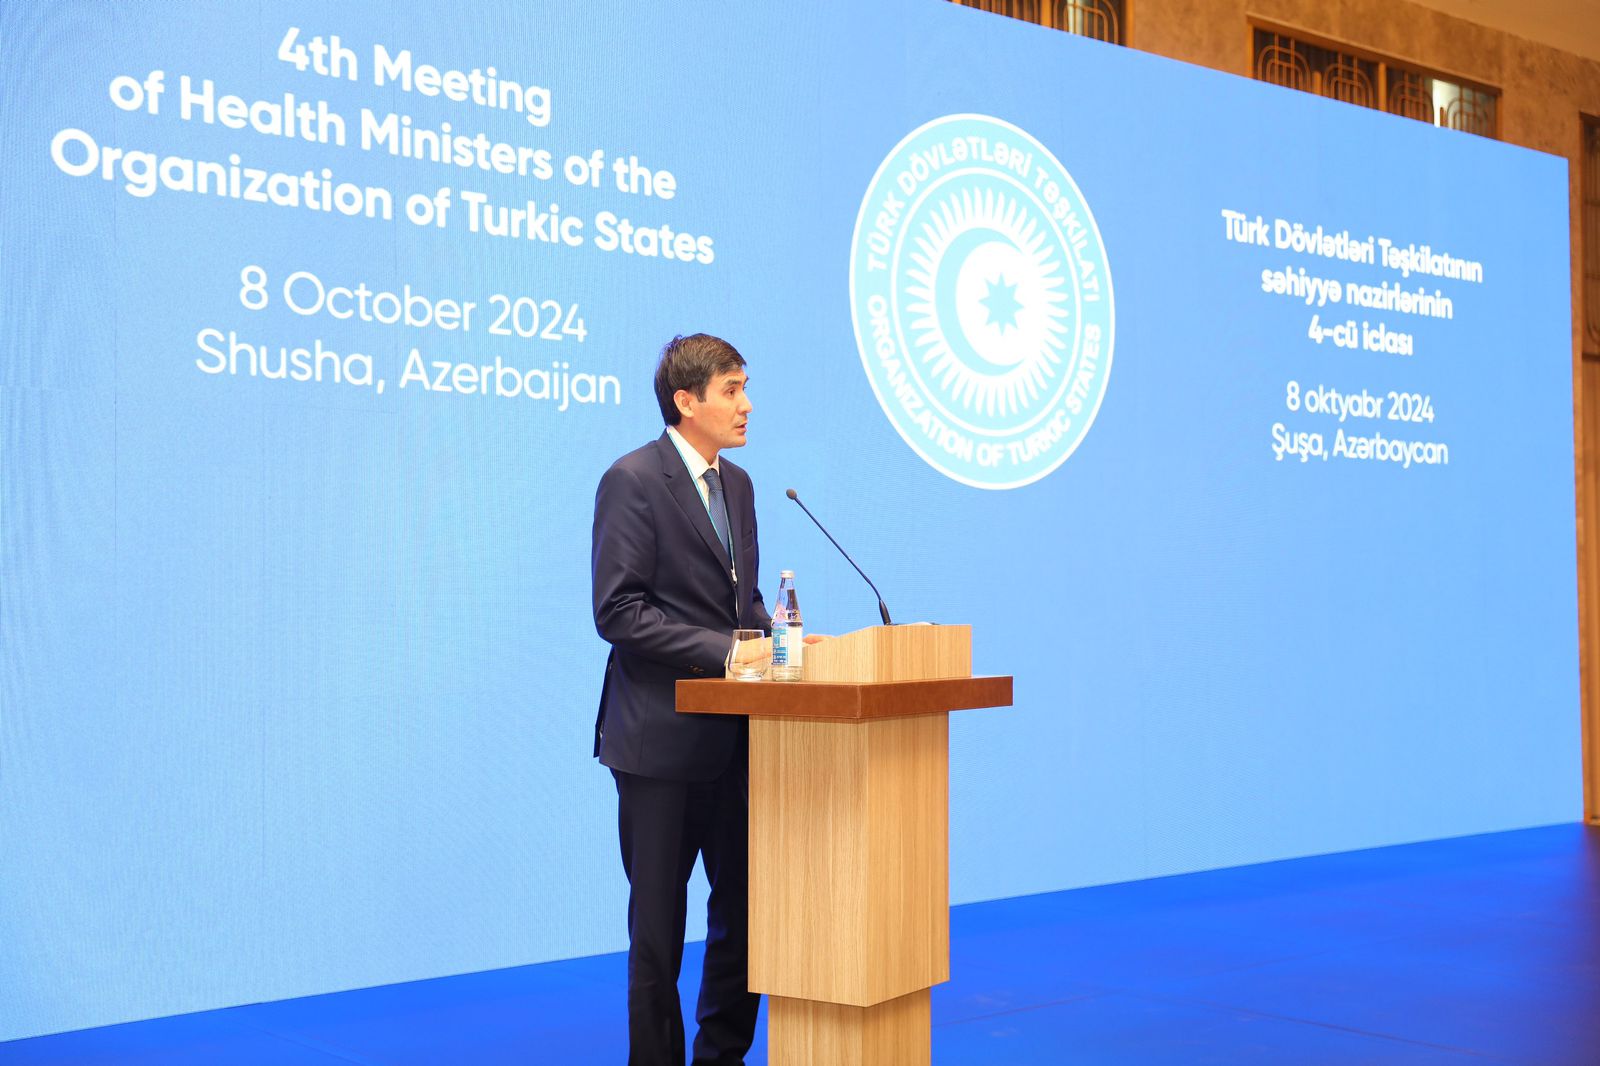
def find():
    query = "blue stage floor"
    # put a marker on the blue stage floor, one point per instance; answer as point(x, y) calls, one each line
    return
point(1477, 949)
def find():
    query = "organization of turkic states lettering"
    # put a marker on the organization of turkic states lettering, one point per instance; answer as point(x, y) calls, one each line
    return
point(77, 154)
point(1408, 260)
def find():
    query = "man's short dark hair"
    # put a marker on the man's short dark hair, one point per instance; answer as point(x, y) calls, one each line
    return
point(690, 363)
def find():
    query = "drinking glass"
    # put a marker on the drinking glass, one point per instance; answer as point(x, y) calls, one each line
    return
point(749, 656)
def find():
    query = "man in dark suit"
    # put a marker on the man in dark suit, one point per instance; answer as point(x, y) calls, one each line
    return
point(674, 565)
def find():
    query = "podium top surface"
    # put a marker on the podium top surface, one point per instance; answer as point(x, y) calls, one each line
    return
point(843, 701)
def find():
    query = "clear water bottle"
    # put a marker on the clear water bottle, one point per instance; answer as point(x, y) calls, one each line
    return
point(788, 635)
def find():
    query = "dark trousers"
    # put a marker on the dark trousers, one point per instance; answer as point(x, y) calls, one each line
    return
point(664, 825)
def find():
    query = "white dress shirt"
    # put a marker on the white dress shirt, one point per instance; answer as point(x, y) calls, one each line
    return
point(697, 473)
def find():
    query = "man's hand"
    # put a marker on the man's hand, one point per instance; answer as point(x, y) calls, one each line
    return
point(754, 651)
point(817, 638)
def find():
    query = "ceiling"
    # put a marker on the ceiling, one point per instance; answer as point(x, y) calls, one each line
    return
point(1570, 25)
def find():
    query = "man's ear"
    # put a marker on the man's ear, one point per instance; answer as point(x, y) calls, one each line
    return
point(683, 398)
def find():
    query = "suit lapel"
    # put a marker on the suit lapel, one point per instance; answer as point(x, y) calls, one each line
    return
point(687, 496)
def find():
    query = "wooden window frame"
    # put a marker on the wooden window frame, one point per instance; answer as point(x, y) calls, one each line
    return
point(1385, 64)
point(1588, 251)
point(1042, 13)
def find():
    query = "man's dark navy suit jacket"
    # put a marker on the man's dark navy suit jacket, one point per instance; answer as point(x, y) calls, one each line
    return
point(666, 601)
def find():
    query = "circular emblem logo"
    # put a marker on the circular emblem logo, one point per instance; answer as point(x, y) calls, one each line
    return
point(982, 301)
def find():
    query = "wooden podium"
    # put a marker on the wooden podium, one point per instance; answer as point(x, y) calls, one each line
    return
point(849, 837)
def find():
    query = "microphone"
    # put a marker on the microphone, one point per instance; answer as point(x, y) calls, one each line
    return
point(883, 611)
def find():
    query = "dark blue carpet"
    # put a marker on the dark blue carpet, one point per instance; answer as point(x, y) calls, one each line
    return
point(1481, 949)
